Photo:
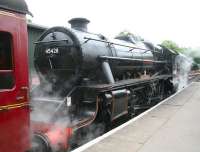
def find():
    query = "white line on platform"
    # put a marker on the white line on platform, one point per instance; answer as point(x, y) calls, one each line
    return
point(92, 142)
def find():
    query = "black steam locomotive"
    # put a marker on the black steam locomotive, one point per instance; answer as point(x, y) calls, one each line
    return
point(86, 78)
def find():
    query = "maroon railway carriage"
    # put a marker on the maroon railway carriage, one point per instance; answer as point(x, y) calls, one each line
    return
point(14, 111)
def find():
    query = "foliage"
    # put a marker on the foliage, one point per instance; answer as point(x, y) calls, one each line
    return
point(195, 54)
point(173, 46)
point(129, 34)
point(28, 20)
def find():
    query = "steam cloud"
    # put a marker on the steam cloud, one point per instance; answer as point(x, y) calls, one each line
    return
point(182, 68)
point(45, 102)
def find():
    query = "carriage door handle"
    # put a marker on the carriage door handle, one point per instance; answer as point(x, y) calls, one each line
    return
point(22, 94)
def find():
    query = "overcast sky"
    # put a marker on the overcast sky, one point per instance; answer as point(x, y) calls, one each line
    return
point(155, 20)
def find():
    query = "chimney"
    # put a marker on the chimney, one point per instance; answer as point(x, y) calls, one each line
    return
point(79, 24)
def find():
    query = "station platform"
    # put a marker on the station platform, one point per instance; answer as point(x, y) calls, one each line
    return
point(171, 126)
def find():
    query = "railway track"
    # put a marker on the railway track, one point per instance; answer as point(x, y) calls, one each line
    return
point(194, 77)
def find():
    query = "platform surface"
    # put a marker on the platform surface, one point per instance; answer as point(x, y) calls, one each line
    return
point(173, 126)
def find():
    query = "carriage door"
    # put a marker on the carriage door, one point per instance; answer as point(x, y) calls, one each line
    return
point(14, 112)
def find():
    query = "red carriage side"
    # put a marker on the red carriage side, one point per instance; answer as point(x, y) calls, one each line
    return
point(14, 111)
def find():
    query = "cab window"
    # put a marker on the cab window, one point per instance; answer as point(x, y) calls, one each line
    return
point(6, 63)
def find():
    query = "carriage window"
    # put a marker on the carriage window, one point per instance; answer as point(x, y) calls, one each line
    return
point(6, 66)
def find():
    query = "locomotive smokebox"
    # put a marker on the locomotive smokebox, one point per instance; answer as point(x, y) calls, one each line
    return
point(79, 24)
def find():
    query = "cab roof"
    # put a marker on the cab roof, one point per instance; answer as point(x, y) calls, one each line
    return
point(18, 6)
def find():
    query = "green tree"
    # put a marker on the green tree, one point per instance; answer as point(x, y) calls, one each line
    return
point(173, 46)
point(195, 54)
point(129, 34)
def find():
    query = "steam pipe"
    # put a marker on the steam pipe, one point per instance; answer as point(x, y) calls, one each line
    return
point(107, 71)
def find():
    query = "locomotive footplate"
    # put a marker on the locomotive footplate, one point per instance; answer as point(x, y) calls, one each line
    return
point(125, 83)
